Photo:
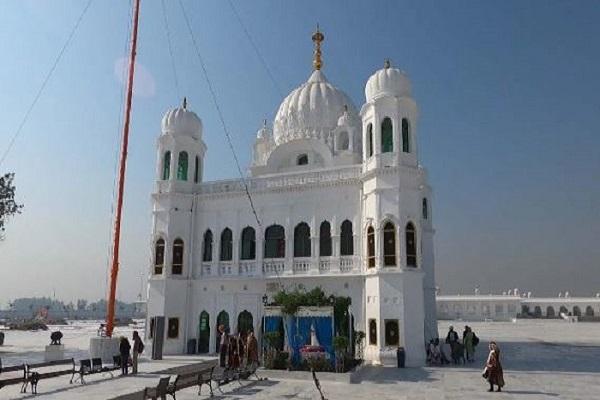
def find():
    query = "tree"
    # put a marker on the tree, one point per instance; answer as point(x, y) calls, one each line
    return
point(8, 205)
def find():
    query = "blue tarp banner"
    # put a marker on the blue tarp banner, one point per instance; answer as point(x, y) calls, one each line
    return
point(272, 323)
point(323, 330)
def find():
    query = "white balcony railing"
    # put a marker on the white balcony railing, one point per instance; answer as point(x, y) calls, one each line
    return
point(273, 267)
point(301, 265)
point(348, 264)
point(248, 268)
point(324, 265)
point(207, 269)
point(226, 268)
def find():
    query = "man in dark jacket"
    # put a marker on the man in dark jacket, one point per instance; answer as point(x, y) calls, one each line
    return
point(124, 348)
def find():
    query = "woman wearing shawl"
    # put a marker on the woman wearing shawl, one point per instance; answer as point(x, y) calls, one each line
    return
point(493, 368)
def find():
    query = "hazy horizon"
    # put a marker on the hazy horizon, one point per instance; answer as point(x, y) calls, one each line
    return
point(508, 128)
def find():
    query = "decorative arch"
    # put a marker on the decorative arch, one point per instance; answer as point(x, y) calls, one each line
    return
point(245, 323)
point(302, 240)
point(564, 310)
point(166, 166)
point(182, 166)
point(346, 239)
point(411, 245)
point(405, 136)
point(389, 244)
point(226, 253)
point(589, 311)
point(248, 249)
point(550, 313)
point(343, 141)
point(537, 312)
point(425, 208)
point(325, 239)
point(370, 247)
point(203, 332)
point(370, 140)
point(207, 247)
point(275, 242)
point(177, 261)
point(222, 319)
point(302, 159)
point(577, 311)
point(159, 256)
point(387, 136)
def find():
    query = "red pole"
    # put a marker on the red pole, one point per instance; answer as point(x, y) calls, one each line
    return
point(114, 271)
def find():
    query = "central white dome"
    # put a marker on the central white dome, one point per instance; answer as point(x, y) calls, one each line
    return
point(311, 111)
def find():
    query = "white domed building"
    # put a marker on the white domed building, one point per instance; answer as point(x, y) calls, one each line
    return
point(343, 204)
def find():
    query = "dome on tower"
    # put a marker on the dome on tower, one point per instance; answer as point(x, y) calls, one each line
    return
point(387, 82)
point(264, 132)
point(182, 122)
point(311, 110)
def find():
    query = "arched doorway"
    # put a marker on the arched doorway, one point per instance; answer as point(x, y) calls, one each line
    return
point(576, 311)
point(550, 312)
point(222, 319)
point(537, 312)
point(203, 333)
point(245, 323)
point(563, 310)
point(589, 311)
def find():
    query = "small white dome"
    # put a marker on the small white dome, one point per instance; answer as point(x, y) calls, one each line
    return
point(387, 82)
point(311, 110)
point(264, 132)
point(182, 122)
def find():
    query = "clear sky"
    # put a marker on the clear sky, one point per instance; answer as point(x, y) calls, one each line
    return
point(509, 104)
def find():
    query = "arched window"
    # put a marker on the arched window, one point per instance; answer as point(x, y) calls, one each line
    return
point(405, 136)
point(222, 319)
point(325, 239)
point(166, 167)
point(369, 140)
point(203, 332)
point(589, 311)
point(248, 244)
point(343, 141)
point(196, 170)
point(563, 310)
point(576, 311)
point(245, 323)
point(537, 312)
point(302, 240)
point(387, 136)
point(182, 166)
point(207, 248)
point(226, 253)
point(177, 264)
point(389, 245)
point(346, 239)
point(275, 242)
point(550, 312)
point(411, 245)
point(302, 159)
point(159, 256)
point(370, 247)
point(425, 210)
point(372, 332)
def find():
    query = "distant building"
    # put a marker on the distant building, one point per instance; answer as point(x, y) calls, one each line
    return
point(508, 307)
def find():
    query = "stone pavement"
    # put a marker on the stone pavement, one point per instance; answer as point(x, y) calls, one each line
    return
point(542, 360)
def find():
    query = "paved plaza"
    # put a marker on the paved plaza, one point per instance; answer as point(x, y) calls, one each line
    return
point(542, 360)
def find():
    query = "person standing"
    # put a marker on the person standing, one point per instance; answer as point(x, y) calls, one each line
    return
point(124, 348)
point(138, 348)
point(469, 343)
point(251, 349)
point(452, 340)
point(223, 344)
point(493, 368)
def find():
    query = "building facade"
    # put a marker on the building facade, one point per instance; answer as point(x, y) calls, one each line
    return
point(336, 198)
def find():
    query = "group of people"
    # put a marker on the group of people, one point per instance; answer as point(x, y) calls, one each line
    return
point(492, 372)
point(129, 352)
point(237, 350)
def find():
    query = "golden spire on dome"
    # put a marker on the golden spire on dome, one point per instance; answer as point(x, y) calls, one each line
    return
point(317, 38)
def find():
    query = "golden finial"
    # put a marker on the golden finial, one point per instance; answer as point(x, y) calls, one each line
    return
point(317, 38)
point(185, 103)
point(387, 64)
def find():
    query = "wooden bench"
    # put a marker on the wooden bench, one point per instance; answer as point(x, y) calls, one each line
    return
point(223, 376)
point(14, 380)
point(158, 392)
point(192, 378)
point(33, 375)
point(249, 370)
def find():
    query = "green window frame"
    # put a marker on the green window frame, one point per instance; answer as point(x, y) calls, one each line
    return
point(387, 136)
point(182, 166)
point(405, 136)
point(166, 171)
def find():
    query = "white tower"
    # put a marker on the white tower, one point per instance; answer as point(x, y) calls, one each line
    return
point(179, 169)
point(396, 221)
